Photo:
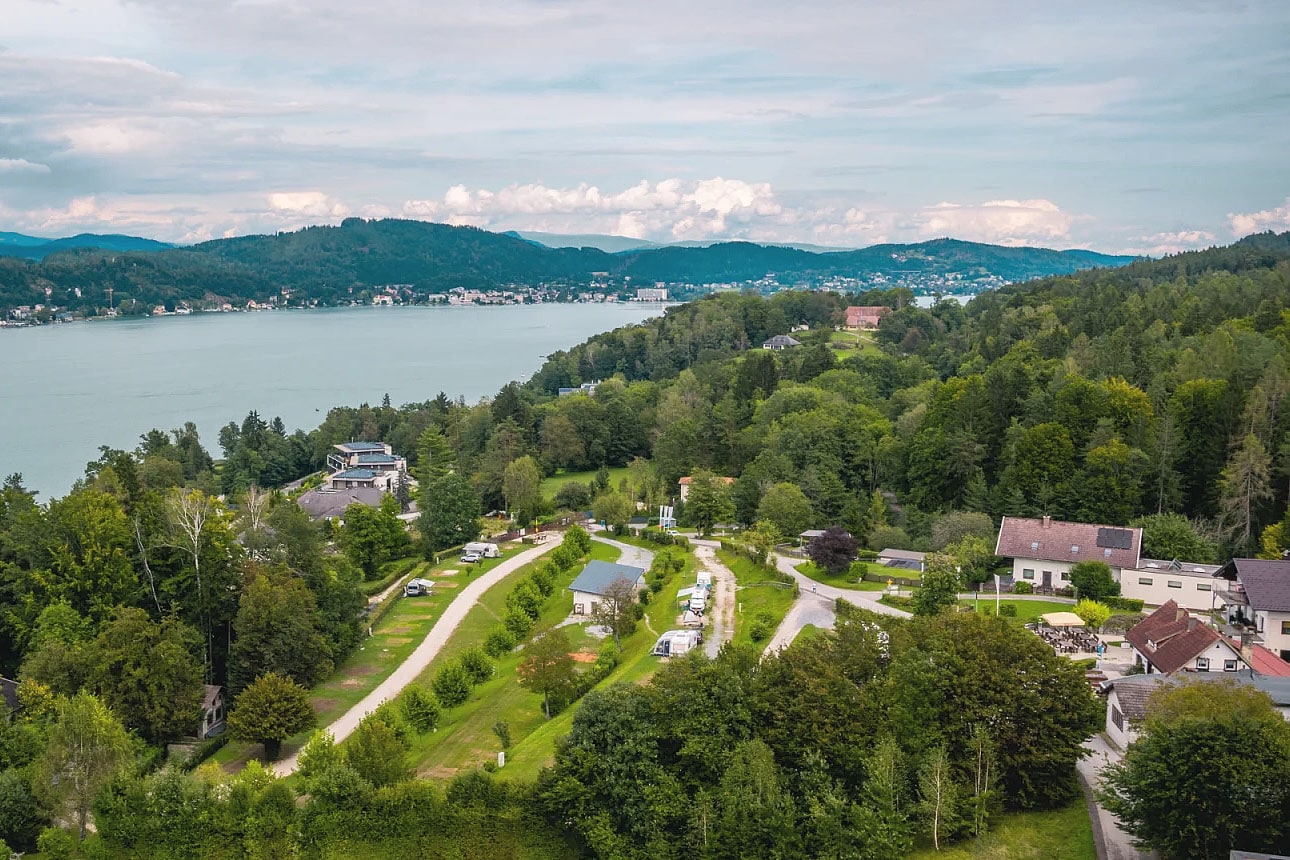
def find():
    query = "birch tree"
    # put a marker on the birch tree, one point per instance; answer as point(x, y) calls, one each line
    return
point(940, 794)
point(87, 747)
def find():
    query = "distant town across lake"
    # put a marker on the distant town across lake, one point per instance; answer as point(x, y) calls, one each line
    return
point(68, 389)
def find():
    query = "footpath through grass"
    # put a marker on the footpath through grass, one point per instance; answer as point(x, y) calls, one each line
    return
point(550, 486)
point(466, 739)
point(1062, 834)
point(758, 598)
point(393, 639)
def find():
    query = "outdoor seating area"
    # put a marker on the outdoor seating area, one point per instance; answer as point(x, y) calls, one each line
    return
point(1066, 639)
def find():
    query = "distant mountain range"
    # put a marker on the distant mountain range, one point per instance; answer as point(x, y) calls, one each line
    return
point(617, 244)
point(36, 248)
point(335, 264)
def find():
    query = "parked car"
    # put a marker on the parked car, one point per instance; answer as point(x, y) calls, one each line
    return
point(470, 557)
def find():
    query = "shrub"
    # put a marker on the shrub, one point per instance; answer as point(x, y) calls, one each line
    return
point(758, 630)
point(656, 586)
point(420, 709)
point(1128, 604)
point(502, 729)
point(526, 597)
point(565, 556)
point(499, 641)
point(644, 596)
point(452, 685)
point(55, 843)
point(1008, 610)
point(1022, 588)
point(517, 622)
point(476, 664)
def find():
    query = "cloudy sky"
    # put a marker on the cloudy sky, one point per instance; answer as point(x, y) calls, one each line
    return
point(1144, 126)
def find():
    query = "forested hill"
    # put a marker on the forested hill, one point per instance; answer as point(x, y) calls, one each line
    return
point(335, 264)
point(35, 248)
point(1100, 396)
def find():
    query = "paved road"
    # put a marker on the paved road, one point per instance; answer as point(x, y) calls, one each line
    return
point(722, 610)
point(409, 669)
point(1112, 842)
point(632, 556)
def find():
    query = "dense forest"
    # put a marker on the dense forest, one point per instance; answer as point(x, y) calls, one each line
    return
point(1153, 394)
point(331, 265)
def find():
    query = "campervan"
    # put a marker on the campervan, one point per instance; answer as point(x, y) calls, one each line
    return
point(481, 549)
point(417, 587)
point(698, 602)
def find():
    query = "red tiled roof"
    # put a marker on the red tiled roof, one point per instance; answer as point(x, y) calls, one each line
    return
point(1262, 660)
point(867, 313)
point(1055, 540)
point(1170, 637)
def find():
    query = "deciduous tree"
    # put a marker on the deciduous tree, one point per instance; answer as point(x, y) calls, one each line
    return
point(87, 747)
point(834, 550)
point(547, 667)
point(616, 610)
point(270, 710)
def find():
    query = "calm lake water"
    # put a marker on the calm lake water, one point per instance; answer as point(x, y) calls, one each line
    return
point(65, 390)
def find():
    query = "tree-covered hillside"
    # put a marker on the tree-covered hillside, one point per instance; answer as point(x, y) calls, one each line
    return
point(336, 264)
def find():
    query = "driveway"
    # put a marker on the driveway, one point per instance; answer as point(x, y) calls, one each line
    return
point(722, 610)
point(1112, 842)
point(417, 661)
point(632, 556)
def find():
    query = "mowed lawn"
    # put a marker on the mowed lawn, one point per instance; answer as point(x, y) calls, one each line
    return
point(1065, 833)
point(551, 485)
point(393, 639)
point(466, 739)
point(755, 597)
point(845, 580)
point(1027, 610)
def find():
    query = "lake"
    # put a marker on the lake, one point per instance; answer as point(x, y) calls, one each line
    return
point(67, 389)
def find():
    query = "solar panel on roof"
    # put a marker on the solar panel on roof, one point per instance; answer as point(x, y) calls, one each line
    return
point(1115, 538)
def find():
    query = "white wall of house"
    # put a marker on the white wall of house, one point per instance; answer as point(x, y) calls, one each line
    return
point(1158, 586)
point(1032, 570)
point(584, 603)
point(1275, 629)
point(1118, 728)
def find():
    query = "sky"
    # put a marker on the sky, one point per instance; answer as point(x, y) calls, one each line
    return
point(1141, 127)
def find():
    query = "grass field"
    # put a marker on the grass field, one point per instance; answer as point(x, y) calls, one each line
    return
point(465, 737)
point(551, 485)
point(1027, 610)
point(393, 638)
point(752, 600)
point(1064, 833)
point(810, 571)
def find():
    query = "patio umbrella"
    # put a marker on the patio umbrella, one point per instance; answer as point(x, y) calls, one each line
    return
point(1062, 619)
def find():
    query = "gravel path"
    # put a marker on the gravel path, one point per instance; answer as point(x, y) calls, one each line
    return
point(632, 556)
point(417, 661)
point(1112, 842)
point(722, 610)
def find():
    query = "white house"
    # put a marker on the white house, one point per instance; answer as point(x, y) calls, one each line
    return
point(780, 341)
point(1128, 699)
point(1257, 595)
point(1172, 640)
point(212, 712)
point(688, 480)
point(1155, 582)
point(1043, 551)
point(590, 586)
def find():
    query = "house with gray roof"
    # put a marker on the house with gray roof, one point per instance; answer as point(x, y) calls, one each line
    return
point(1256, 596)
point(1128, 699)
point(780, 341)
point(325, 503)
point(590, 586)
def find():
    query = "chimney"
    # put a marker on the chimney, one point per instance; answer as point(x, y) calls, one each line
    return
point(1247, 648)
point(1179, 613)
point(1191, 623)
point(1048, 521)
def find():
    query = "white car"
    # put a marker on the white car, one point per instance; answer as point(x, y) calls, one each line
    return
point(470, 558)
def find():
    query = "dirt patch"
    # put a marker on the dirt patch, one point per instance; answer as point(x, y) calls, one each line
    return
point(402, 628)
point(438, 772)
point(446, 573)
point(446, 585)
point(323, 705)
point(352, 683)
point(397, 640)
point(583, 657)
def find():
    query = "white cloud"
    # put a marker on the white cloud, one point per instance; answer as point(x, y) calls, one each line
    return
point(1161, 244)
point(1243, 224)
point(314, 204)
point(21, 165)
point(1002, 222)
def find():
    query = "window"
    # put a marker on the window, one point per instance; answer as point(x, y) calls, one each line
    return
point(1229, 665)
point(1106, 552)
point(1117, 718)
point(1285, 628)
point(1202, 664)
point(1174, 583)
point(1204, 586)
point(1027, 573)
point(1144, 580)
point(1066, 577)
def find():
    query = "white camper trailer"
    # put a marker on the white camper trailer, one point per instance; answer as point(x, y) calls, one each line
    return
point(481, 549)
point(674, 643)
